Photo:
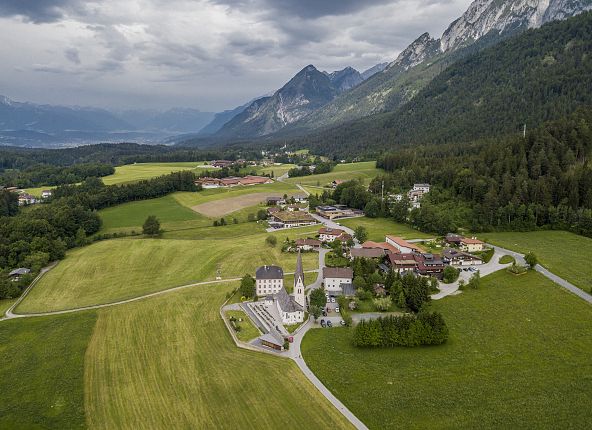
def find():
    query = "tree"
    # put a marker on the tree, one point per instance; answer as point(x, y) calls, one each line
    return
point(81, 239)
point(401, 301)
point(315, 311)
point(261, 214)
point(361, 233)
point(318, 298)
point(450, 274)
point(475, 281)
point(531, 259)
point(247, 286)
point(360, 283)
point(151, 226)
point(271, 240)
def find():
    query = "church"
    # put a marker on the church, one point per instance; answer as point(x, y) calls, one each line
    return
point(290, 307)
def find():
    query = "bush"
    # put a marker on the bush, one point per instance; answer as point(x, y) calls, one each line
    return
point(450, 275)
point(271, 240)
point(515, 269)
point(506, 259)
point(427, 328)
point(151, 226)
point(383, 304)
point(531, 260)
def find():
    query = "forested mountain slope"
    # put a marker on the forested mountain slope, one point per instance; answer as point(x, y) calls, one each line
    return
point(539, 75)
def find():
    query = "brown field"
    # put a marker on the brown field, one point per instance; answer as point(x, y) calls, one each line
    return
point(218, 208)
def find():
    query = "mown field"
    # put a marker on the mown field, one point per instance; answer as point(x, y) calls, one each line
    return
point(517, 357)
point(4, 305)
point(137, 172)
point(378, 228)
point(115, 270)
point(42, 371)
point(365, 171)
point(169, 362)
point(562, 252)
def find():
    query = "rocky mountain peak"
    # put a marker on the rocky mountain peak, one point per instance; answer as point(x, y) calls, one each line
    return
point(418, 51)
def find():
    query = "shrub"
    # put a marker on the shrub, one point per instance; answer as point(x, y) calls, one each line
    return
point(531, 260)
point(383, 304)
point(450, 275)
point(506, 259)
point(151, 226)
point(271, 240)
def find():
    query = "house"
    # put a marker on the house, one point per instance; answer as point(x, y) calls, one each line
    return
point(221, 163)
point(232, 181)
point(26, 199)
point(297, 207)
point(273, 209)
point(16, 274)
point(208, 183)
point(268, 280)
point(386, 247)
point(471, 244)
point(337, 211)
point(255, 180)
point(328, 234)
point(402, 245)
point(429, 265)
point(284, 219)
point(366, 253)
point(337, 182)
point(424, 188)
point(459, 258)
point(308, 244)
point(453, 239)
point(338, 280)
point(274, 201)
point(401, 263)
point(45, 194)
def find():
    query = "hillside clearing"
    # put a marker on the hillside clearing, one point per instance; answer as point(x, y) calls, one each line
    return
point(378, 228)
point(219, 208)
point(365, 171)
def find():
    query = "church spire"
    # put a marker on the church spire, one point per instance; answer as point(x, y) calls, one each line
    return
point(299, 282)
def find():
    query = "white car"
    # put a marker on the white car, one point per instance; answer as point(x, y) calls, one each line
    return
point(332, 299)
point(337, 309)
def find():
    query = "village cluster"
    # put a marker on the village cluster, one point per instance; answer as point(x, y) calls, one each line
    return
point(25, 198)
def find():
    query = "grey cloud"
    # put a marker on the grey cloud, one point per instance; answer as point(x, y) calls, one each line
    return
point(72, 55)
point(37, 11)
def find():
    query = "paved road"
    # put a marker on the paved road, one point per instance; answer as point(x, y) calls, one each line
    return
point(546, 273)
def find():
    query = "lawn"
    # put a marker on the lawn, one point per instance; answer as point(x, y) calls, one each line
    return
point(137, 172)
point(42, 371)
point(366, 171)
point(4, 305)
point(169, 362)
point(378, 228)
point(517, 357)
point(169, 212)
point(247, 331)
point(561, 252)
point(119, 269)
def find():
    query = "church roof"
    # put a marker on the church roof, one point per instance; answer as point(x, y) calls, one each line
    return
point(287, 302)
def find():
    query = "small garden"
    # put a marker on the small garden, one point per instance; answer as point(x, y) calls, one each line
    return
point(242, 326)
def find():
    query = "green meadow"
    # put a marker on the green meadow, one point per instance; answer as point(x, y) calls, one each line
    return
point(364, 171)
point(517, 357)
point(378, 228)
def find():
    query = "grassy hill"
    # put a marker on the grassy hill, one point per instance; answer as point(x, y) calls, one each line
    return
point(516, 358)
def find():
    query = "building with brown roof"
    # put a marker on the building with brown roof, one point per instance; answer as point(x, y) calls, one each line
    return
point(471, 244)
point(366, 253)
point(402, 245)
point(291, 219)
point(308, 244)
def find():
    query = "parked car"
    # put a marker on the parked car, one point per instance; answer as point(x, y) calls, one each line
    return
point(329, 323)
point(332, 299)
point(323, 323)
point(337, 309)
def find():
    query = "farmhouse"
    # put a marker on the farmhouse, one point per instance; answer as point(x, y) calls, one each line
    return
point(402, 262)
point(16, 274)
point(338, 280)
point(402, 245)
point(429, 264)
point(328, 234)
point(45, 194)
point(255, 180)
point(274, 200)
point(453, 239)
point(471, 244)
point(337, 211)
point(268, 280)
point(26, 199)
point(221, 163)
point(284, 219)
point(459, 258)
point(307, 244)
point(232, 181)
point(337, 182)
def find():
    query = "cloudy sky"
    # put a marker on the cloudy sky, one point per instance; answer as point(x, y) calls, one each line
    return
point(208, 54)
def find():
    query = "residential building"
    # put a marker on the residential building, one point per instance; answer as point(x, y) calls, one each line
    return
point(275, 200)
point(26, 199)
point(285, 219)
point(269, 280)
point(45, 194)
point(337, 211)
point(221, 163)
point(424, 188)
point(338, 280)
point(453, 239)
point(307, 244)
point(459, 258)
point(429, 265)
point(402, 245)
point(16, 274)
point(273, 209)
point(471, 244)
point(337, 182)
point(402, 262)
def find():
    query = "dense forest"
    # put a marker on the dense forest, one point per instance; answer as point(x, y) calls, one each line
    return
point(537, 76)
point(543, 180)
point(44, 174)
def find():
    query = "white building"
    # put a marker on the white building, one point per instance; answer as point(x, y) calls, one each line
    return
point(471, 244)
point(424, 188)
point(338, 280)
point(45, 194)
point(327, 234)
point(402, 245)
point(269, 280)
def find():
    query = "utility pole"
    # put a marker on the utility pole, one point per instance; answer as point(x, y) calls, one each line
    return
point(382, 192)
point(524, 131)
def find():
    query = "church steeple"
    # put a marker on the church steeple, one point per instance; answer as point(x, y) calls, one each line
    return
point(299, 282)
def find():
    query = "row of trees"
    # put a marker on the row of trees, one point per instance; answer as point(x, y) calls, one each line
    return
point(45, 174)
point(426, 328)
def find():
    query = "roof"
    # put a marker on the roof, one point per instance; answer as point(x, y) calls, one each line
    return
point(20, 271)
point(338, 272)
point(471, 241)
point(274, 198)
point(331, 231)
point(293, 216)
point(421, 185)
point(310, 242)
point(287, 302)
point(450, 253)
point(268, 337)
point(380, 245)
point(367, 252)
point(397, 259)
point(299, 272)
point(327, 208)
point(250, 180)
point(269, 272)
point(273, 209)
point(402, 242)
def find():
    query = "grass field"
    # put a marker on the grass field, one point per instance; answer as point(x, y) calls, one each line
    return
point(42, 371)
point(517, 357)
point(114, 270)
point(378, 228)
point(365, 171)
point(559, 251)
point(139, 171)
point(169, 362)
point(5, 304)
point(247, 331)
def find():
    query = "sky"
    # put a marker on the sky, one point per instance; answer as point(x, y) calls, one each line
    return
point(206, 54)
